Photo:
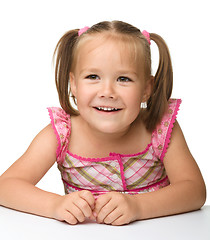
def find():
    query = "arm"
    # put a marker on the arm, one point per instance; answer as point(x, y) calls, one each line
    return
point(18, 190)
point(17, 184)
point(186, 192)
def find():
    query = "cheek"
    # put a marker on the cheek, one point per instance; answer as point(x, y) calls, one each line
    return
point(84, 96)
point(133, 98)
point(133, 101)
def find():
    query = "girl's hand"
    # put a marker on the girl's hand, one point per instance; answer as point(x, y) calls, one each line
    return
point(74, 207)
point(116, 208)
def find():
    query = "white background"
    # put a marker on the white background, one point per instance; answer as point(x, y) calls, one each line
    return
point(29, 32)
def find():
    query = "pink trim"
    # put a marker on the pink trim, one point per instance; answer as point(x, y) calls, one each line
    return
point(135, 154)
point(122, 172)
point(168, 136)
point(65, 149)
point(112, 155)
point(55, 131)
point(91, 159)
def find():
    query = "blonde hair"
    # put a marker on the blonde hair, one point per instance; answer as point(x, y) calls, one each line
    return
point(65, 53)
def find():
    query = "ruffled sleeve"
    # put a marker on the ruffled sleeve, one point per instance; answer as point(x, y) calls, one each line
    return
point(162, 134)
point(61, 124)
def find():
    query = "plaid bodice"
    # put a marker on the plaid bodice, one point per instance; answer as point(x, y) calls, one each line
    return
point(133, 173)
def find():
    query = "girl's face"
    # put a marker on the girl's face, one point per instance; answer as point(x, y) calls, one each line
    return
point(108, 85)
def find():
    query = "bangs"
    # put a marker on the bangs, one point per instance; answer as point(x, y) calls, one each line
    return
point(136, 47)
point(131, 46)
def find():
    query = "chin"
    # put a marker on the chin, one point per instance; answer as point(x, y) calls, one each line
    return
point(110, 129)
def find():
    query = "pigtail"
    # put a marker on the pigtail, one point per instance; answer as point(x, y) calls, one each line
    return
point(163, 82)
point(64, 57)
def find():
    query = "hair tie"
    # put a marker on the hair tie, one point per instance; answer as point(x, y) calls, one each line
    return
point(82, 30)
point(147, 36)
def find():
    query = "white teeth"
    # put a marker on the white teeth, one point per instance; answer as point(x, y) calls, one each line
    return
point(107, 109)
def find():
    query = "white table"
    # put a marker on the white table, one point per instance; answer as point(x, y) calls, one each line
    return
point(18, 225)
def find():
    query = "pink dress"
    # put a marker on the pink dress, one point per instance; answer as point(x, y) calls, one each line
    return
point(133, 173)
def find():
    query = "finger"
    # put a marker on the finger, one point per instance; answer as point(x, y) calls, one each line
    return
point(122, 220)
point(77, 213)
point(84, 206)
point(88, 196)
point(106, 210)
point(69, 218)
point(113, 216)
point(100, 203)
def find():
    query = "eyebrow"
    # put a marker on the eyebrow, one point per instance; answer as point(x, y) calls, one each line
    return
point(118, 72)
point(127, 72)
point(90, 70)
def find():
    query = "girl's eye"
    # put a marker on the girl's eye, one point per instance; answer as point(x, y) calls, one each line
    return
point(93, 77)
point(124, 79)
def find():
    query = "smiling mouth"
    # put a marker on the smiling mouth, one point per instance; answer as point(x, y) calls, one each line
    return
point(107, 109)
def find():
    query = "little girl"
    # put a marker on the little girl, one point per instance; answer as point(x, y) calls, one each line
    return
point(119, 159)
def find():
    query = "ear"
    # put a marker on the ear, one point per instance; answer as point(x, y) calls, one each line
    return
point(148, 88)
point(73, 84)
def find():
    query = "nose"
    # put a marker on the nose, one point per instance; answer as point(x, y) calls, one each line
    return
point(107, 90)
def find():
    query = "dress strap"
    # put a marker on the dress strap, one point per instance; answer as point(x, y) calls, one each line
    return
point(162, 134)
point(61, 124)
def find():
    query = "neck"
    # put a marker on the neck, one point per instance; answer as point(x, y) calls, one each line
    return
point(109, 139)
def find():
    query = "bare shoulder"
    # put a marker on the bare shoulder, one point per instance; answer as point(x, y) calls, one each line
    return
point(38, 158)
point(179, 162)
point(45, 141)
